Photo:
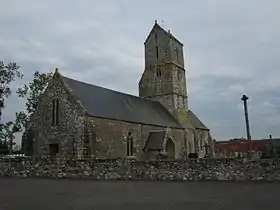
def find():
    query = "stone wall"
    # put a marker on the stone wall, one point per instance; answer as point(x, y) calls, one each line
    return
point(111, 138)
point(68, 134)
point(117, 169)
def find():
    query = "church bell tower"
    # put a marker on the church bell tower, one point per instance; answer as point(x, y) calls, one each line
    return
point(164, 77)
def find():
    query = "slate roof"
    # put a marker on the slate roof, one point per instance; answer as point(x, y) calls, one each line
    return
point(195, 121)
point(155, 141)
point(106, 103)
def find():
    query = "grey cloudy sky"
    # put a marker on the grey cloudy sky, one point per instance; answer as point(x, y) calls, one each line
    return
point(231, 48)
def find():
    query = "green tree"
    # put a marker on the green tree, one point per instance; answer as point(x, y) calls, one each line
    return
point(4, 149)
point(31, 92)
point(8, 74)
point(7, 137)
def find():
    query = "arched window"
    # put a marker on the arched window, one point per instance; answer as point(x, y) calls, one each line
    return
point(55, 112)
point(129, 144)
point(158, 72)
point(87, 140)
point(170, 149)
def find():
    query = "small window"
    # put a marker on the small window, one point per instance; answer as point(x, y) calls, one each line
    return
point(129, 144)
point(156, 37)
point(177, 53)
point(158, 72)
point(166, 52)
point(157, 51)
point(55, 113)
point(53, 149)
point(87, 149)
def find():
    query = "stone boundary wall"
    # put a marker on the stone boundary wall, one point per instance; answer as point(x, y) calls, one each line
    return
point(118, 169)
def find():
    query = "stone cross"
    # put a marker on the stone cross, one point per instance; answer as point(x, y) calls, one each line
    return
point(244, 99)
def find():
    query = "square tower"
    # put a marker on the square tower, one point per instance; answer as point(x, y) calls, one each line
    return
point(164, 77)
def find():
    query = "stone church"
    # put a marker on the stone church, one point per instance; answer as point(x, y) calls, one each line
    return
point(75, 119)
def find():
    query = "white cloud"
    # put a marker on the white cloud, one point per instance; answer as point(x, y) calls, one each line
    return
point(231, 48)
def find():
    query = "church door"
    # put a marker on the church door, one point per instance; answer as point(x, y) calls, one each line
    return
point(170, 149)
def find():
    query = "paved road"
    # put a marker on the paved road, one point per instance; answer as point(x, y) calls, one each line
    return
point(36, 194)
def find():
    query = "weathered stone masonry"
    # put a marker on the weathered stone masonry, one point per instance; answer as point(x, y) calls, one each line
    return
point(123, 169)
point(68, 135)
point(111, 138)
point(164, 80)
point(79, 135)
point(75, 119)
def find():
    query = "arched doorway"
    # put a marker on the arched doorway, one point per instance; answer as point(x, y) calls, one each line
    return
point(170, 149)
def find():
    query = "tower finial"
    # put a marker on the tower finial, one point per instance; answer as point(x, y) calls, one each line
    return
point(56, 70)
point(155, 21)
